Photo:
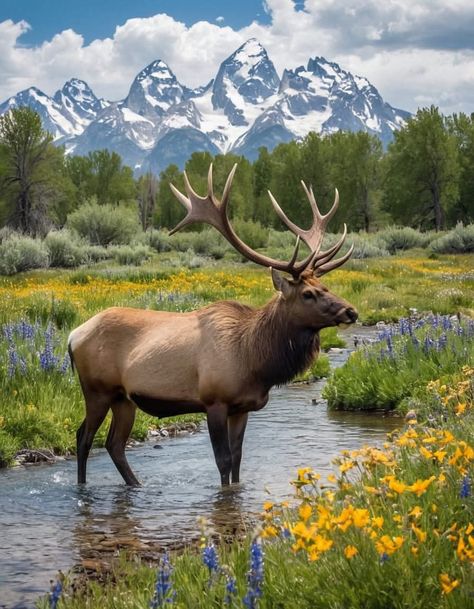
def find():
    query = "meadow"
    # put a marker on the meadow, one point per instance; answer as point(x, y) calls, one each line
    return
point(42, 403)
point(392, 523)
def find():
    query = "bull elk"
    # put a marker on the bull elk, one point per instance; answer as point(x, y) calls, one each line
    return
point(220, 360)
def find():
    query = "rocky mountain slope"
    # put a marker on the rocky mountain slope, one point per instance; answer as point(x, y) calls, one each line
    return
point(246, 106)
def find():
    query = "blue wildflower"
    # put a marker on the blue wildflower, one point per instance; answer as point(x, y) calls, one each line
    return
point(163, 587)
point(55, 594)
point(384, 557)
point(254, 576)
point(230, 590)
point(210, 558)
point(465, 488)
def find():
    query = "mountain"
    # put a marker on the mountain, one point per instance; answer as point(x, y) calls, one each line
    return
point(246, 106)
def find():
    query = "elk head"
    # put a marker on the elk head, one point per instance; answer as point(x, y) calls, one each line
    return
point(309, 303)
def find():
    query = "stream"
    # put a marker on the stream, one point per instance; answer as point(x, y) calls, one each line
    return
point(48, 523)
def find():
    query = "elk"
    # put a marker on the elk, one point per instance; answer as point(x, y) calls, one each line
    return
point(220, 360)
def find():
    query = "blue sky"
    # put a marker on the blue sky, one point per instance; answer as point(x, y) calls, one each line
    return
point(99, 18)
point(416, 52)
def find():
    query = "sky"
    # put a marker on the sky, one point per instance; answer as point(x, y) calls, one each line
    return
point(416, 52)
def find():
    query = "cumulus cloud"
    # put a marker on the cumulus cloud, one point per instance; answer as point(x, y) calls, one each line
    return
point(416, 52)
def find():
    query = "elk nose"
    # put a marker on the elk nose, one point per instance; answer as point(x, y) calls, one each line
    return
point(352, 314)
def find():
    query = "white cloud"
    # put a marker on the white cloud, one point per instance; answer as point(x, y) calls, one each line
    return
point(416, 52)
point(220, 19)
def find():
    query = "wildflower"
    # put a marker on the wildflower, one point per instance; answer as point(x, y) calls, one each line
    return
point(388, 545)
point(361, 517)
point(305, 511)
point(421, 535)
point(416, 512)
point(465, 488)
point(254, 576)
point(210, 558)
point(420, 486)
point(447, 584)
point(163, 588)
point(230, 590)
point(56, 591)
point(350, 551)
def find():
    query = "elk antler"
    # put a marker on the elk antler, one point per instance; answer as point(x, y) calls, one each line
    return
point(211, 211)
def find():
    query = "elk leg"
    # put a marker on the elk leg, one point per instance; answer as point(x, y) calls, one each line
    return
point(123, 417)
point(236, 426)
point(96, 409)
point(217, 424)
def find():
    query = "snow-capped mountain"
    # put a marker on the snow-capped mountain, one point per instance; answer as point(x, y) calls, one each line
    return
point(245, 107)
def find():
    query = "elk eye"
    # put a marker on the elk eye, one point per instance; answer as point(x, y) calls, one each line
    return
point(308, 295)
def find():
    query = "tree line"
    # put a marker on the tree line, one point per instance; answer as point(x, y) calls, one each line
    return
point(425, 178)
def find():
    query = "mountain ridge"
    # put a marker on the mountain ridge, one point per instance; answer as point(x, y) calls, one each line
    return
point(246, 106)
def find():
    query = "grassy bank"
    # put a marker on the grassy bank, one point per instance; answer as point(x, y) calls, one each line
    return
point(42, 403)
point(391, 528)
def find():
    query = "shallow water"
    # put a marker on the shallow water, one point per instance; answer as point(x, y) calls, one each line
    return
point(48, 523)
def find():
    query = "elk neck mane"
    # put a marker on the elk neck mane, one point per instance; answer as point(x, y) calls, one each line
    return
point(272, 347)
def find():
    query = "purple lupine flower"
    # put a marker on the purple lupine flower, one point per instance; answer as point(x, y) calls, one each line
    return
point(48, 361)
point(210, 558)
point(230, 591)
point(55, 594)
point(254, 576)
point(13, 358)
point(465, 488)
point(163, 587)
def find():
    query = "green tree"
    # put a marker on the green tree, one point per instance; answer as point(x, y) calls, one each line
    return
point(147, 189)
point(422, 171)
point(262, 177)
point(462, 127)
point(31, 170)
point(169, 210)
point(354, 167)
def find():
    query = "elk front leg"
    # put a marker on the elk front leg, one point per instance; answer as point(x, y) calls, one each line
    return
point(236, 426)
point(217, 424)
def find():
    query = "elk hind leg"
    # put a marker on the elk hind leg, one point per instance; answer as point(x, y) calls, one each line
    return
point(217, 425)
point(236, 425)
point(97, 406)
point(123, 417)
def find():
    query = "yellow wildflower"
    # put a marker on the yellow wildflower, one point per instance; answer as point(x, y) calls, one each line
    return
point(448, 584)
point(305, 511)
point(388, 545)
point(350, 551)
point(421, 535)
point(416, 511)
point(420, 486)
point(360, 517)
point(268, 505)
point(377, 522)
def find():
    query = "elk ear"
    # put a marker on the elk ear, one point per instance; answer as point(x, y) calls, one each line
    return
point(280, 283)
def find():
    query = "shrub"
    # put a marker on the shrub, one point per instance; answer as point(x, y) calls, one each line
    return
point(207, 242)
point(404, 238)
point(18, 253)
point(459, 240)
point(159, 240)
point(131, 255)
point(252, 233)
point(104, 224)
point(63, 249)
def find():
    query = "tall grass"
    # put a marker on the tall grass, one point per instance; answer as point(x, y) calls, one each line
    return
point(404, 357)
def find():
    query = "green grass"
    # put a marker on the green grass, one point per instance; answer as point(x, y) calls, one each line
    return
point(42, 409)
point(384, 375)
point(391, 529)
